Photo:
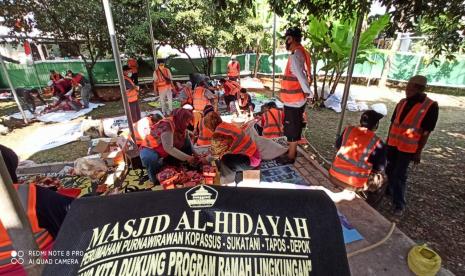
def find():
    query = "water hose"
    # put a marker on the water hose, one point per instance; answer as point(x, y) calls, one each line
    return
point(373, 246)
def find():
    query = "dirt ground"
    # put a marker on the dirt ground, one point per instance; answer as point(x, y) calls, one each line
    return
point(435, 196)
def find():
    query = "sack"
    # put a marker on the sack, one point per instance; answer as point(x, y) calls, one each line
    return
point(93, 168)
point(268, 148)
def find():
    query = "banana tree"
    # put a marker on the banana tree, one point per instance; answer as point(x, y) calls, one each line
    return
point(332, 42)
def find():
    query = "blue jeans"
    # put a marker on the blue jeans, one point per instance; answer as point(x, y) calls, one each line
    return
point(396, 171)
point(151, 161)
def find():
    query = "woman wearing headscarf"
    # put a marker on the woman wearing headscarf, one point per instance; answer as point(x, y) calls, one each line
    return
point(166, 139)
point(235, 150)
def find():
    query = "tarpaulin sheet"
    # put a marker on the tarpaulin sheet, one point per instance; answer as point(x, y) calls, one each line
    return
point(57, 116)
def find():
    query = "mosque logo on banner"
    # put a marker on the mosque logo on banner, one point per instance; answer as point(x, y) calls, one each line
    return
point(201, 196)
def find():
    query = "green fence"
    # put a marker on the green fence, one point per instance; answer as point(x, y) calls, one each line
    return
point(403, 67)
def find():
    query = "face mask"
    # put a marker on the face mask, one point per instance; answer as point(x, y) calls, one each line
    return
point(288, 45)
point(129, 74)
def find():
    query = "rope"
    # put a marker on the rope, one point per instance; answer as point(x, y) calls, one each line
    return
point(316, 151)
point(373, 246)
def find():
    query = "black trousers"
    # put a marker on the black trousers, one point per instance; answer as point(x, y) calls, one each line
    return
point(396, 171)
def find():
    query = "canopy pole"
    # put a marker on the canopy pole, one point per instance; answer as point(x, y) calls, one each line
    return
point(274, 52)
point(119, 68)
point(152, 39)
point(350, 71)
point(5, 72)
point(16, 223)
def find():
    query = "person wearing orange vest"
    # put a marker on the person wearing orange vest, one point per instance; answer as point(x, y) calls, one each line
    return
point(45, 209)
point(295, 89)
point(132, 92)
point(132, 63)
point(162, 84)
point(201, 98)
point(413, 120)
point(272, 121)
point(361, 158)
point(231, 89)
point(80, 83)
point(234, 148)
point(205, 134)
point(186, 94)
point(164, 142)
point(234, 69)
point(245, 101)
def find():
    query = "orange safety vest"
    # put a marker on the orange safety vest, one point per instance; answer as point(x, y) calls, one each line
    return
point(233, 69)
point(132, 63)
point(231, 88)
point(27, 196)
point(205, 134)
point(405, 135)
point(351, 162)
point(143, 132)
point(188, 93)
point(132, 93)
point(199, 99)
point(273, 126)
point(162, 82)
point(242, 143)
point(291, 90)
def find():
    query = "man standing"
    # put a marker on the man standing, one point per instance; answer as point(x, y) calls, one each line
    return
point(81, 83)
point(162, 85)
point(132, 92)
point(201, 98)
point(295, 89)
point(411, 124)
point(234, 69)
point(132, 63)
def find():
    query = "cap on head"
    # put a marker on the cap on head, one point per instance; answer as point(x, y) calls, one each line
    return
point(233, 57)
point(189, 84)
point(50, 83)
point(295, 32)
point(52, 71)
point(418, 80)
point(243, 90)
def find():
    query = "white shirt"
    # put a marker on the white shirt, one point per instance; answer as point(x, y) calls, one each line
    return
point(298, 69)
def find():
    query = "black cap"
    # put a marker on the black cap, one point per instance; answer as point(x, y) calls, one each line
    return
point(370, 118)
point(295, 32)
point(126, 68)
point(243, 90)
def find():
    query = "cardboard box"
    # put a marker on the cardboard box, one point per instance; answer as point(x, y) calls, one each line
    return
point(251, 176)
point(103, 145)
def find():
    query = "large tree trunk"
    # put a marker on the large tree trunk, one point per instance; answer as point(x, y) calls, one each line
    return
point(257, 64)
